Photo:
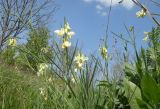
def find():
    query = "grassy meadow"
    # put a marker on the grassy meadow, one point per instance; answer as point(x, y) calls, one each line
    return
point(58, 75)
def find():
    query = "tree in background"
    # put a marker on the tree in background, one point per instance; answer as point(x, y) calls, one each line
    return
point(16, 16)
point(37, 49)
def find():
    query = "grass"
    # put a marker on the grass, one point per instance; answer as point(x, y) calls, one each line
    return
point(18, 91)
point(64, 78)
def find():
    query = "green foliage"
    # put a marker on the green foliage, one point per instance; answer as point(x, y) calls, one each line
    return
point(145, 73)
point(37, 49)
point(132, 92)
point(8, 55)
point(17, 90)
point(150, 90)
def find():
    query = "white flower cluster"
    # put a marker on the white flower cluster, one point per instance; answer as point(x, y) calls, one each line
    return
point(43, 93)
point(43, 67)
point(66, 34)
point(142, 13)
point(80, 59)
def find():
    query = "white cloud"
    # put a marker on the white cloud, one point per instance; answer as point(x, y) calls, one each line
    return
point(102, 13)
point(106, 3)
point(101, 5)
point(128, 4)
point(87, 1)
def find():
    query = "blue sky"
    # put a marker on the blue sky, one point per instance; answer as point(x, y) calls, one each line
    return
point(88, 19)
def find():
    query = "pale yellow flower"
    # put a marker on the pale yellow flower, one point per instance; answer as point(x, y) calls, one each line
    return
point(146, 33)
point(65, 33)
point(79, 65)
point(42, 69)
point(43, 66)
point(66, 44)
point(73, 79)
point(103, 51)
point(38, 73)
point(50, 80)
point(42, 92)
point(80, 60)
point(75, 70)
point(12, 42)
point(45, 98)
point(146, 36)
point(65, 30)
point(141, 13)
point(44, 50)
point(131, 28)
point(67, 26)
point(70, 34)
point(60, 32)
point(57, 32)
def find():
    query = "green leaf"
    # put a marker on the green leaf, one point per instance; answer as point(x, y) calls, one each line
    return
point(132, 92)
point(150, 89)
point(142, 104)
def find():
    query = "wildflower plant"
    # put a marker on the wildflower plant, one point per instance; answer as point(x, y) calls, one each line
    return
point(12, 42)
point(44, 50)
point(141, 14)
point(146, 36)
point(9, 54)
point(103, 51)
point(75, 70)
point(66, 34)
point(80, 60)
point(42, 69)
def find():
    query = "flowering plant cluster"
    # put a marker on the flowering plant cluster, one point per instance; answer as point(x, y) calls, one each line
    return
point(103, 51)
point(66, 34)
point(43, 93)
point(142, 13)
point(42, 69)
point(80, 59)
point(12, 42)
point(44, 50)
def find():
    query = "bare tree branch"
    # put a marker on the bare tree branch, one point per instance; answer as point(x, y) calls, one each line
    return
point(17, 16)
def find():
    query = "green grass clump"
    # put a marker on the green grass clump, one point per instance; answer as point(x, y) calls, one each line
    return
point(18, 90)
